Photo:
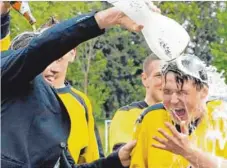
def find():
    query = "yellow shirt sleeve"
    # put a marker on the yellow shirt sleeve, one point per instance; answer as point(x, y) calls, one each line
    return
point(122, 126)
point(5, 43)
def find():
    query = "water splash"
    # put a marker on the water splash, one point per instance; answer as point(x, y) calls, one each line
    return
point(219, 131)
point(216, 132)
point(217, 91)
point(217, 85)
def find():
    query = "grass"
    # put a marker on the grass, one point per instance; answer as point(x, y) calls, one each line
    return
point(101, 127)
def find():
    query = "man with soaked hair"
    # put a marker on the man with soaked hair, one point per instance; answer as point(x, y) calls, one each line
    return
point(184, 120)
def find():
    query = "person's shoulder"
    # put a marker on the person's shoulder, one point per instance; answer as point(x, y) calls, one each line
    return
point(83, 98)
point(150, 120)
point(82, 94)
point(156, 110)
point(134, 105)
point(214, 103)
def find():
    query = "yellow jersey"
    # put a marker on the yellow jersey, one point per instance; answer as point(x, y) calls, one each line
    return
point(146, 156)
point(5, 32)
point(122, 124)
point(5, 43)
point(82, 142)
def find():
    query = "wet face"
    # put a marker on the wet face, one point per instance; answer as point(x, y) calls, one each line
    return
point(152, 80)
point(58, 68)
point(185, 103)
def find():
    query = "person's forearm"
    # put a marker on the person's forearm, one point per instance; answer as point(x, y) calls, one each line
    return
point(52, 44)
point(112, 161)
point(200, 159)
point(107, 19)
point(60, 39)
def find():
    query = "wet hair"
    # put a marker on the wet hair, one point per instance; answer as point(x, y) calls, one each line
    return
point(22, 40)
point(148, 60)
point(181, 77)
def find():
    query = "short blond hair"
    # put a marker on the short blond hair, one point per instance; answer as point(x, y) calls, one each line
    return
point(148, 60)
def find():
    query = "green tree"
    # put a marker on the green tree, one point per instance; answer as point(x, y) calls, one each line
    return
point(218, 48)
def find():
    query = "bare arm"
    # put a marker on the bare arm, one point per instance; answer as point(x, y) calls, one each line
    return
point(180, 144)
point(200, 159)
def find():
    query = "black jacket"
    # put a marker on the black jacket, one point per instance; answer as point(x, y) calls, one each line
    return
point(34, 122)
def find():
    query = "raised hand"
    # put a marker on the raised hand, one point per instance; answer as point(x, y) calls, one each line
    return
point(178, 143)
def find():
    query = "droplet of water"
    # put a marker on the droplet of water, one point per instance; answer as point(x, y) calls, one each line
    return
point(218, 91)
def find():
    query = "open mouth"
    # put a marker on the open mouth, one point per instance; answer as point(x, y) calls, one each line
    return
point(180, 113)
point(49, 79)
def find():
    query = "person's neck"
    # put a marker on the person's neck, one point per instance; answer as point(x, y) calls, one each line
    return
point(149, 100)
point(60, 83)
point(59, 86)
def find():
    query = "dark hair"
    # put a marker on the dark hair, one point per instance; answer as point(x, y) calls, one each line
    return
point(181, 76)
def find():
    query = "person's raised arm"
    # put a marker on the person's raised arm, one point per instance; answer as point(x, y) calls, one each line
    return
point(23, 65)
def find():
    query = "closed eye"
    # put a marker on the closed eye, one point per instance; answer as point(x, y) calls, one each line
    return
point(158, 75)
point(167, 91)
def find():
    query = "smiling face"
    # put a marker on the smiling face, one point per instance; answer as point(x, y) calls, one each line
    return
point(152, 81)
point(185, 101)
point(58, 68)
